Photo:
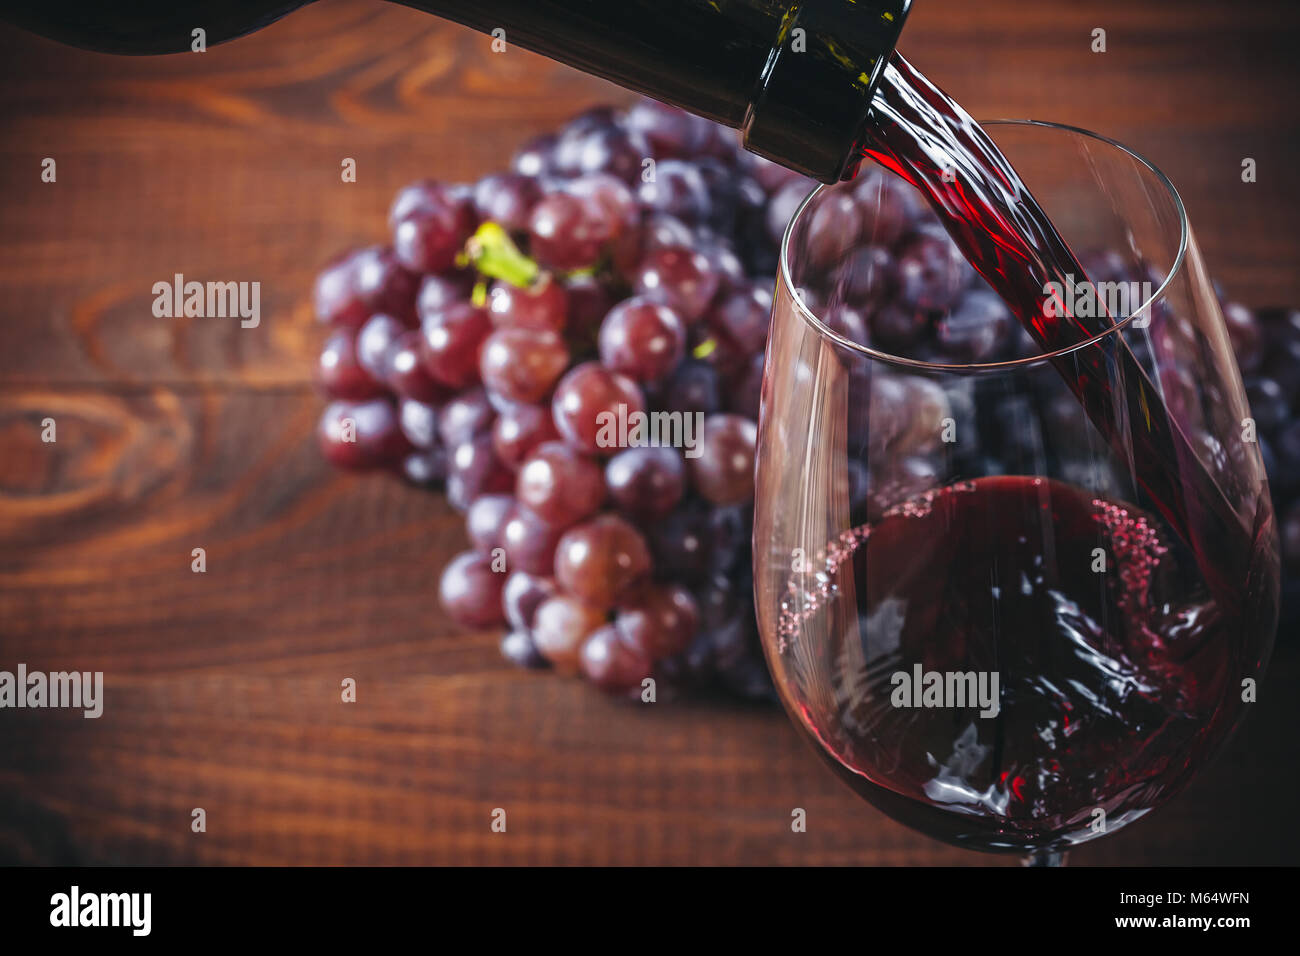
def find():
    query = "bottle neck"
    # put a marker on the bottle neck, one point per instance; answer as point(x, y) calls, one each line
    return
point(795, 75)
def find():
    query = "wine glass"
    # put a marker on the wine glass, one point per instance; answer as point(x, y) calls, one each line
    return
point(1001, 616)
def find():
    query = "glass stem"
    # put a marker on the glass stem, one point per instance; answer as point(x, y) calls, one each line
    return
point(1044, 857)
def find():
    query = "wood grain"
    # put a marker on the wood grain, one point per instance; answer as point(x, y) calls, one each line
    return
point(223, 687)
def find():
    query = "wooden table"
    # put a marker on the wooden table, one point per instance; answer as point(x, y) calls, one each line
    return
point(224, 687)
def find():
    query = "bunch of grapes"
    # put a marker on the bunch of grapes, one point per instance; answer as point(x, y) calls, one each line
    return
point(622, 266)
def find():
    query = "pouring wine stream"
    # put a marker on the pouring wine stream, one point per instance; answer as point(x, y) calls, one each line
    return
point(921, 134)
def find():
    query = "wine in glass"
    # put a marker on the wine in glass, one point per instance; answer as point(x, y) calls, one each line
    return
point(1017, 596)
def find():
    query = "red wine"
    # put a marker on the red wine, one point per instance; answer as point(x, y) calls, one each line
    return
point(923, 135)
point(1112, 684)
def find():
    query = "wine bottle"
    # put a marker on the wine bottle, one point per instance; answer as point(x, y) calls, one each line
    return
point(796, 76)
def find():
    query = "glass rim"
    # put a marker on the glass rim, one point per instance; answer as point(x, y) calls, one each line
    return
point(818, 326)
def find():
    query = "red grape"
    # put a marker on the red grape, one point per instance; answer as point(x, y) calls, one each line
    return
point(598, 559)
point(519, 430)
point(523, 595)
point(589, 402)
point(453, 339)
point(611, 663)
point(339, 373)
point(724, 471)
point(475, 470)
point(560, 626)
point(337, 297)
point(661, 620)
point(543, 305)
point(362, 434)
point(521, 365)
point(560, 485)
point(470, 590)
point(646, 482)
point(679, 276)
point(642, 338)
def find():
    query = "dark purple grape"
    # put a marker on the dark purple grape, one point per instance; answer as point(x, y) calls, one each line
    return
point(1291, 539)
point(679, 190)
point(560, 485)
point(1246, 336)
point(362, 434)
point(642, 338)
point(452, 342)
point(833, 230)
point(897, 326)
point(536, 157)
point(339, 373)
point(384, 285)
point(743, 316)
point(680, 543)
point(745, 397)
point(682, 277)
point(470, 590)
point(523, 595)
point(888, 207)
point(869, 277)
point(529, 542)
point(783, 205)
point(617, 152)
point(977, 329)
point(485, 519)
point(425, 467)
point(659, 620)
point(1286, 446)
point(519, 649)
point(599, 559)
point(611, 663)
point(475, 470)
point(588, 404)
point(1269, 405)
point(419, 423)
point(337, 298)
point(405, 374)
point(433, 231)
point(413, 197)
point(646, 482)
point(693, 387)
point(669, 132)
point(849, 323)
point(375, 340)
point(589, 302)
point(439, 293)
point(724, 471)
point(468, 414)
point(932, 273)
point(506, 199)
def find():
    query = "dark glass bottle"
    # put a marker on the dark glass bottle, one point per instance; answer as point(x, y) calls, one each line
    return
point(795, 75)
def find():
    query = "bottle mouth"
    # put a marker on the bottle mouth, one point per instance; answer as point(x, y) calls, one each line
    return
point(809, 315)
point(812, 98)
